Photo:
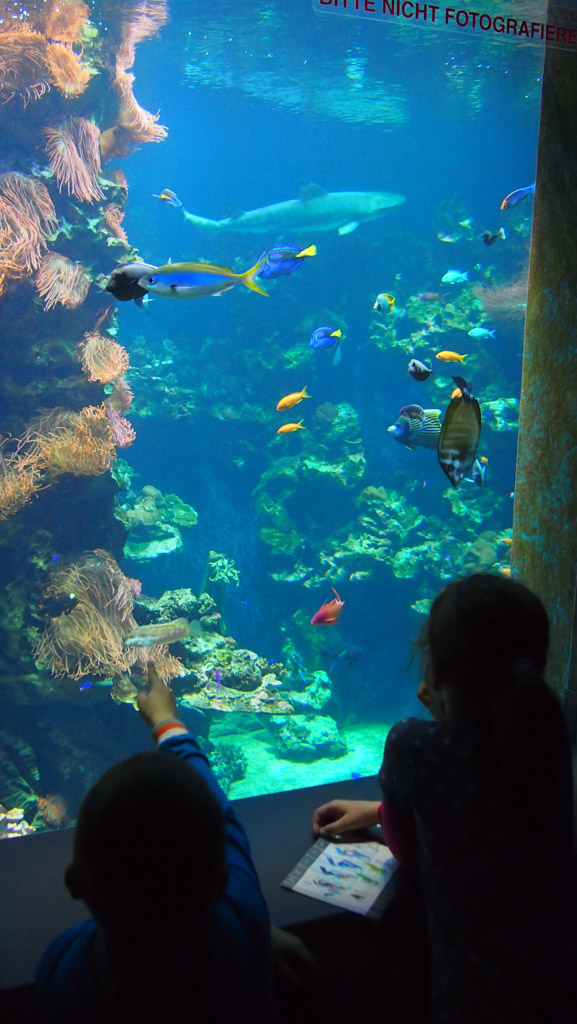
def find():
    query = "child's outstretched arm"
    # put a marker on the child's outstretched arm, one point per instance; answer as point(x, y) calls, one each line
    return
point(157, 704)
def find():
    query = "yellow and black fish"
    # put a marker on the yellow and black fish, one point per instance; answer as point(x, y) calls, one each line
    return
point(459, 437)
point(415, 432)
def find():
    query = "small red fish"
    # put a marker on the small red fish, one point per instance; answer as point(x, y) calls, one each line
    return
point(329, 613)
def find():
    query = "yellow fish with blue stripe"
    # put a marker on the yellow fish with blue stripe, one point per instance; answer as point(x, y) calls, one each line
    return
point(191, 280)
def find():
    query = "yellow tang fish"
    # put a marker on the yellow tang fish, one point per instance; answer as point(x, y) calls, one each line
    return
point(293, 399)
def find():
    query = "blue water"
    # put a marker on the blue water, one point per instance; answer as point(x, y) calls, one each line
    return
point(258, 102)
point(468, 138)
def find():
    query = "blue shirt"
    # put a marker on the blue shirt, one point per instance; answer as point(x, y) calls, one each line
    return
point(236, 931)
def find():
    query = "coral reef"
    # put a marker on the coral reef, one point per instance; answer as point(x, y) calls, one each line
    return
point(60, 234)
point(13, 823)
point(154, 523)
point(219, 676)
point(502, 414)
point(329, 470)
point(227, 762)
point(306, 737)
point(88, 637)
point(314, 695)
point(221, 569)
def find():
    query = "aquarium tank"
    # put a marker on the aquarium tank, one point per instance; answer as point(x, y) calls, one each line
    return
point(261, 494)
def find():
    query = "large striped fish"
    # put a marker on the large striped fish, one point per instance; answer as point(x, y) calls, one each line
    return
point(460, 433)
point(414, 432)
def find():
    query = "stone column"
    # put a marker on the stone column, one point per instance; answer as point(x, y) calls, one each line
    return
point(545, 511)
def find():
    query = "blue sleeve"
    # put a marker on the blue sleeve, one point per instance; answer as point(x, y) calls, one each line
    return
point(65, 981)
point(243, 885)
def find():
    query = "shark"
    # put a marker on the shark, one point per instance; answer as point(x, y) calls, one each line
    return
point(314, 210)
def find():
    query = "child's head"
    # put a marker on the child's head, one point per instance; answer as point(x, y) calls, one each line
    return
point(480, 631)
point(485, 648)
point(149, 848)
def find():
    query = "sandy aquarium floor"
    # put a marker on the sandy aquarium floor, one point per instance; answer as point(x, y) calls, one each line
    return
point(268, 773)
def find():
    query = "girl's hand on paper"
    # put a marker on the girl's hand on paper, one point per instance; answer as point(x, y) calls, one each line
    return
point(344, 816)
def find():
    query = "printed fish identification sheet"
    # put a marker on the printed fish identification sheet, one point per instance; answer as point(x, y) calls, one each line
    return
point(353, 876)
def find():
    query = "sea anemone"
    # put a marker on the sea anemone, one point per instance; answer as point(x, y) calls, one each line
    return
point(124, 432)
point(102, 359)
point(27, 218)
point(74, 155)
point(53, 809)
point(61, 441)
point(113, 217)
point(508, 301)
point(122, 397)
point(119, 178)
point(59, 280)
point(64, 20)
point(17, 485)
point(90, 638)
point(134, 125)
point(67, 72)
point(144, 19)
point(24, 72)
point(32, 198)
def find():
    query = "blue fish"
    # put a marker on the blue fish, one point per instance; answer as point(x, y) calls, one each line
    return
point(341, 863)
point(348, 655)
point(283, 260)
point(86, 685)
point(326, 337)
point(191, 280)
point(170, 197)
point(337, 874)
point(353, 852)
point(517, 196)
point(298, 662)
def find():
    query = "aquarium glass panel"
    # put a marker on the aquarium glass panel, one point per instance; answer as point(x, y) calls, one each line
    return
point(263, 276)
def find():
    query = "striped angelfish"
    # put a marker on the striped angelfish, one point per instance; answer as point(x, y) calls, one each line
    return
point(415, 432)
point(459, 437)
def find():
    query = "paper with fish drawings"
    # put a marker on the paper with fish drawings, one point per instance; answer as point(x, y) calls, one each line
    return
point(358, 876)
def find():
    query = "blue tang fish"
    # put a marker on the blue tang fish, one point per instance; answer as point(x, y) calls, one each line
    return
point(190, 280)
point(517, 196)
point(170, 197)
point(283, 260)
point(326, 337)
